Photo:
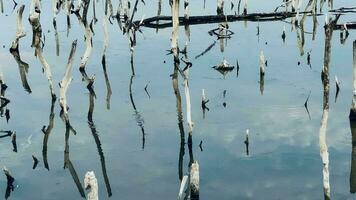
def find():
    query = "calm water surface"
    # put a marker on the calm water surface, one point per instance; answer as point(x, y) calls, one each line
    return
point(283, 162)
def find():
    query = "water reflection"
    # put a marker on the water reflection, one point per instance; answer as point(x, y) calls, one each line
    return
point(46, 130)
point(353, 157)
point(139, 119)
point(98, 143)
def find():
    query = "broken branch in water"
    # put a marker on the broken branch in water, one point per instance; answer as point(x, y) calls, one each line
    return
point(208, 19)
point(36, 43)
point(64, 84)
point(85, 58)
point(20, 32)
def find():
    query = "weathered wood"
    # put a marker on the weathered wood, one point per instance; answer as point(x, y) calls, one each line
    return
point(182, 188)
point(194, 181)
point(352, 115)
point(36, 42)
point(20, 32)
point(91, 184)
point(324, 153)
point(67, 78)
point(207, 19)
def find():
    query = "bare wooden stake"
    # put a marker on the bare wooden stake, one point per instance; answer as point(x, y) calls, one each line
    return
point(36, 42)
point(91, 184)
point(194, 180)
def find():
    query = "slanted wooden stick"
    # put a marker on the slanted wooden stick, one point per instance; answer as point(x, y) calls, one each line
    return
point(64, 84)
point(36, 43)
point(20, 32)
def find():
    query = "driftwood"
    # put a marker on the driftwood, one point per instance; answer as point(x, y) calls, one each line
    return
point(207, 19)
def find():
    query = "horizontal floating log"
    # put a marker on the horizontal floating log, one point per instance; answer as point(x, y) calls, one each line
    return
point(349, 25)
point(154, 22)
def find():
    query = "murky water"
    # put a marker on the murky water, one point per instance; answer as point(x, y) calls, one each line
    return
point(137, 142)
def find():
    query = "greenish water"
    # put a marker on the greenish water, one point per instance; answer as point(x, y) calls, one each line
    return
point(283, 160)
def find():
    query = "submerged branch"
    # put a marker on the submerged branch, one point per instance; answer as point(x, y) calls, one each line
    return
point(208, 19)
